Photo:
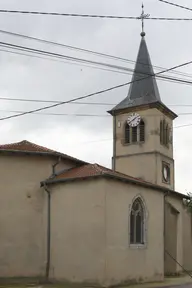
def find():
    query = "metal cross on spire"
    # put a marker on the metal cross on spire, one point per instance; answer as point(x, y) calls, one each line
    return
point(142, 17)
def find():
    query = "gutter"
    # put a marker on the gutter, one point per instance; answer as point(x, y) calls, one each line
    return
point(48, 256)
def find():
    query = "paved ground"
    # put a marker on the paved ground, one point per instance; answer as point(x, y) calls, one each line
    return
point(175, 282)
point(180, 286)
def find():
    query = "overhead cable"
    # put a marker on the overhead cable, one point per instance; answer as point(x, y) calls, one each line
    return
point(95, 93)
point(91, 15)
point(62, 56)
point(176, 5)
point(79, 49)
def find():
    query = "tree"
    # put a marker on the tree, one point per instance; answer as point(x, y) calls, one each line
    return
point(188, 202)
point(188, 205)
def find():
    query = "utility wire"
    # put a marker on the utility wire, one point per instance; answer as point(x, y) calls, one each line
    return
point(81, 115)
point(177, 5)
point(76, 102)
point(162, 78)
point(91, 15)
point(86, 51)
point(60, 114)
point(71, 63)
point(168, 79)
point(187, 272)
point(52, 54)
point(95, 93)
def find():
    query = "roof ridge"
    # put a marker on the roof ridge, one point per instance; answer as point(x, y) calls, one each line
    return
point(99, 168)
point(25, 146)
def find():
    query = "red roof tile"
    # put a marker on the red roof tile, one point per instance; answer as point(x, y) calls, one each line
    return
point(92, 170)
point(26, 146)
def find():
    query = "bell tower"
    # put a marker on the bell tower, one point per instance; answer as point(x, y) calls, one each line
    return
point(143, 128)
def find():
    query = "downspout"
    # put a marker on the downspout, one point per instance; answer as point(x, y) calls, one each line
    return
point(48, 232)
point(114, 144)
point(47, 270)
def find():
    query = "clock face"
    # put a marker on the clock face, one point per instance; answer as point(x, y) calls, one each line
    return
point(134, 120)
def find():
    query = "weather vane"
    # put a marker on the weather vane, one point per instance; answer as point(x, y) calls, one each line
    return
point(142, 17)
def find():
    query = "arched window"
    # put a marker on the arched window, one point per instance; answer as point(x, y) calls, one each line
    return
point(164, 132)
point(161, 132)
point(134, 134)
point(167, 134)
point(170, 136)
point(137, 222)
point(142, 131)
point(127, 133)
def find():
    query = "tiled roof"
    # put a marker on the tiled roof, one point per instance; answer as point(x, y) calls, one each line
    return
point(90, 170)
point(94, 170)
point(29, 147)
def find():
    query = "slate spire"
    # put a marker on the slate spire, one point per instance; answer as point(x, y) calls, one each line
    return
point(144, 91)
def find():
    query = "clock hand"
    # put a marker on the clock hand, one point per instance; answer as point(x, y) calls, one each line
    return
point(133, 119)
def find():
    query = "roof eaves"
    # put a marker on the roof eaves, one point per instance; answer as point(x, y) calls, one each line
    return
point(65, 180)
point(44, 154)
point(116, 177)
point(147, 184)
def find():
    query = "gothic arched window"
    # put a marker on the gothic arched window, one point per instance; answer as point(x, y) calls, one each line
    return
point(161, 132)
point(142, 131)
point(127, 133)
point(164, 133)
point(134, 134)
point(167, 134)
point(137, 222)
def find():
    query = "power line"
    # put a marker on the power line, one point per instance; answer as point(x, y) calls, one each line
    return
point(95, 93)
point(91, 15)
point(68, 14)
point(161, 78)
point(66, 102)
point(177, 5)
point(57, 55)
point(187, 272)
point(68, 62)
point(79, 49)
point(86, 51)
point(80, 114)
point(59, 114)
point(76, 102)
point(169, 79)
point(174, 80)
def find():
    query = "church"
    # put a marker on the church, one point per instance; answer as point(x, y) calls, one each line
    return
point(62, 219)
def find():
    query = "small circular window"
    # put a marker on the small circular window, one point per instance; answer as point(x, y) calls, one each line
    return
point(166, 173)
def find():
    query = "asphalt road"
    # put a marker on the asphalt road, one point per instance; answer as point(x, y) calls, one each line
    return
point(181, 286)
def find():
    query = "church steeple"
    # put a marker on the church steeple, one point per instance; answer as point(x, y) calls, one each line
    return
point(143, 127)
point(141, 91)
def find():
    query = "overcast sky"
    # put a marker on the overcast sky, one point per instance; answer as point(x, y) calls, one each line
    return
point(90, 138)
